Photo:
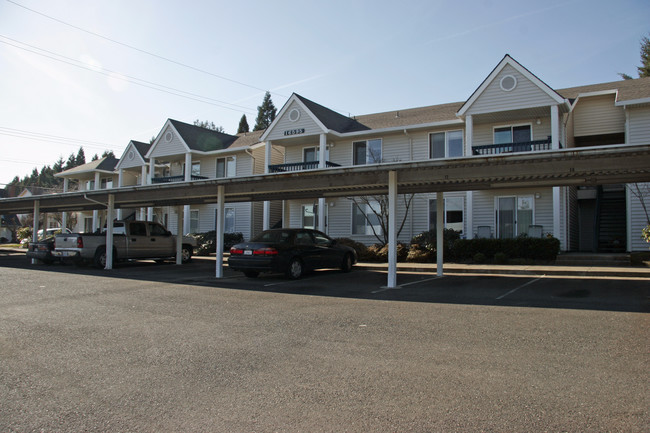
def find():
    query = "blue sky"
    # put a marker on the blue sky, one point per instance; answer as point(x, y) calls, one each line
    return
point(356, 57)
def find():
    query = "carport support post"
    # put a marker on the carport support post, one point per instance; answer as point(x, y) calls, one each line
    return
point(220, 225)
point(392, 229)
point(440, 222)
point(179, 235)
point(37, 216)
point(109, 231)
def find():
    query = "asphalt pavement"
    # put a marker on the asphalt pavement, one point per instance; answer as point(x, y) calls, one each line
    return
point(149, 347)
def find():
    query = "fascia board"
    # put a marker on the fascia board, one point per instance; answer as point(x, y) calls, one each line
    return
point(453, 122)
point(632, 102)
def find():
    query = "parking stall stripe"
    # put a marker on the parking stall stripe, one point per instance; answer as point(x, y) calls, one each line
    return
point(519, 287)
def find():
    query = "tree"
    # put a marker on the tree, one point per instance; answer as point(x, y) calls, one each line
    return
point(375, 212)
point(209, 125)
point(95, 157)
point(644, 69)
point(81, 157)
point(243, 125)
point(265, 113)
point(108, 153)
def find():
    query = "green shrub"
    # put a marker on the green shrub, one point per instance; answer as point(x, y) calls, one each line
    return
point(24, 233)
point(428, 241)
point(206, 243)
point(522, 247)
point(501, 258)
point(379, 253)
point(417, 254)
point(479, 258)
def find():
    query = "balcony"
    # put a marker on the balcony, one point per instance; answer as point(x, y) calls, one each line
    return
point(299, 166)
point(169, 179)
point(524, 146)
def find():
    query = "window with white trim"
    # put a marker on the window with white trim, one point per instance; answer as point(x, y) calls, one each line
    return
point(367, 152)
point(365, 218)
point(194, 221)
point(229, 220)
point(454, 213)
point(447, 144)
point(512, 134)
point(226, 167)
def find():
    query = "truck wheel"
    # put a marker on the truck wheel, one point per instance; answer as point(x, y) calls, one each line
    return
point(100, 258)
point(186, 254)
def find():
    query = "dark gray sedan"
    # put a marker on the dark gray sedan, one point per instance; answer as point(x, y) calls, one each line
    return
point(291, 251)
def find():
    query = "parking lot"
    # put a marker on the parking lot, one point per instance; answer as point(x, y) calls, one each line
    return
point(149, 347)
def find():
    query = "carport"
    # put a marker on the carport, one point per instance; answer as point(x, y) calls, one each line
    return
point(587, 166)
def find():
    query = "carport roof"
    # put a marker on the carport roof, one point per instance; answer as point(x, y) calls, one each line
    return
point(581, 167)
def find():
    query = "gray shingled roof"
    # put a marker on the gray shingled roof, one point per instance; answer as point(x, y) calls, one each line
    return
point(142, 148)
point(106, 163)
point(202, 139)
point(627, 90)
point(246, 139)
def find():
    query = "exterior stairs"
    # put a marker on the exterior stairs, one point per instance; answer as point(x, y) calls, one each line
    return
point(612, 219)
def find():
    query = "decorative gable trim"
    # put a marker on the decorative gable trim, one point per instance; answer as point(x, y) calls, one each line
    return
point(293, 98)
point(159, 139)
point(507, 60)
point(124, 159)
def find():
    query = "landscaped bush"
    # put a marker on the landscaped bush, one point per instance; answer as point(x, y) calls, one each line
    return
point(418, 254)
point(360, 248)
point(379, 253)
point(206, 243)
point(428, 241)
point(24, 234)
point(522, 247)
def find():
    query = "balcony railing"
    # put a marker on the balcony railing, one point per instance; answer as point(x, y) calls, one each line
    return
point(524, 146)
point(299, 166)
point(169, 179)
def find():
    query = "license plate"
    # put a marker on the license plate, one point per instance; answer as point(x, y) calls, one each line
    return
point(248, 252)
point(65, 253)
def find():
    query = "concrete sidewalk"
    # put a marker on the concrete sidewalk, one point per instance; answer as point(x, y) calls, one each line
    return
point(457, 268)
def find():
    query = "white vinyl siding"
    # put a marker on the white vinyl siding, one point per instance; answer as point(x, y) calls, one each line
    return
point(304, 122)
point(639, 126)
point(525, 95)
point(165, 148)
point(596, 115)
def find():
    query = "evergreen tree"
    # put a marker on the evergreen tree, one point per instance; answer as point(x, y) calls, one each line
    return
point(71, 163)
point(95, 157)
point(209, 125)
point(265, 113)
point(58, 165)
point(108, 153)
point(644, 69)
point(81, 157)
point(243, 125)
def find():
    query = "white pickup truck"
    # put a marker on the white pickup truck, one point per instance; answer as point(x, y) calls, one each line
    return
point(131, 240)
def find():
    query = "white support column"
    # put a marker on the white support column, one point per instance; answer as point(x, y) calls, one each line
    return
point(37, 216)
point(469, 134)
point(440, 222)
point(469, 216)
point(322, 210)
point(220, 227)
point(188, 167)
point(152, 169)
point(109, 232)
point(149, 214)
point(96, 212)
point(266, 217)
point(64, 215)
point(179, 235)
point(556, 215)
point(555, 127)
point(392, 229)
point(187, 219)
point(286, 214)
point(267, 156)
point(321, 150)
point(120, 184)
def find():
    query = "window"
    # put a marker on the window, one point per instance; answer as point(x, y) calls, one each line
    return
point(90, 185)
point(364, 218)
point(367, 152)
point(447, 144)
point(226, 167)
point(512, 134)
point(514, 215)
point(309, 154)
point(157, 230)
point(196, 169)
point(229, 220)
point(194, 221)
point(309, 216)
point(106, 183)
point(138, 229)
point(454, 213)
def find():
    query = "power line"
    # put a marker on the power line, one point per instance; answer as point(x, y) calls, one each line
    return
point(51, 139)
point(127, 78)
point(143, 51)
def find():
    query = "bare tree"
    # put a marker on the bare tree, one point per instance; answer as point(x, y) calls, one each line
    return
point(375, 212)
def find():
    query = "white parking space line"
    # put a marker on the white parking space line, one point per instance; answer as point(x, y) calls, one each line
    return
point(520, 287)
point(399, 286)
